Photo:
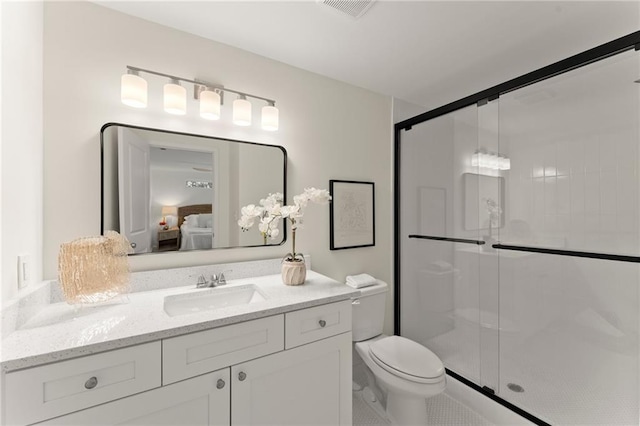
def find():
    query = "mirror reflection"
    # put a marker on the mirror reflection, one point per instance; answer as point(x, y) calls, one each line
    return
point(168, 191)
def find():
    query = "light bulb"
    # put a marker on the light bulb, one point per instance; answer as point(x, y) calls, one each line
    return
point(175, 98)
point(133, 90)
point(270, 118)
point(242, 112)
point(209, 105)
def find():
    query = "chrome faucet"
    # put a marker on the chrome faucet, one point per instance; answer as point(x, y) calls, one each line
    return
point(214, 281)
point(202, 282)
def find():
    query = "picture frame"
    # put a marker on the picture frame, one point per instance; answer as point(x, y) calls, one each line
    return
point(352, 214)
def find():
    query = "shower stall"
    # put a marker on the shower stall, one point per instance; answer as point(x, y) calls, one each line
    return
point(518, 238)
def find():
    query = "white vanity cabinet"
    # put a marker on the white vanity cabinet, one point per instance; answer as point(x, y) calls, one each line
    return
point(203, 400)
point(287, 369)
point(308, 385)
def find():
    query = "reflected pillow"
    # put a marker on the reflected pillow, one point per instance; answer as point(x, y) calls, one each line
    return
point(191, 221)
point(205, 220)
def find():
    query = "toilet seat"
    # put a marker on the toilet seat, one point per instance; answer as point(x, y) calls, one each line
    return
point(407, 359)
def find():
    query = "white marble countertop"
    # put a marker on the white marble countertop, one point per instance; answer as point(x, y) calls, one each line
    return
point(61, 331)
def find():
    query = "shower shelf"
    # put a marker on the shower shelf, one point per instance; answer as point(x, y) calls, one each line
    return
point(572, 253)
point(454, 240)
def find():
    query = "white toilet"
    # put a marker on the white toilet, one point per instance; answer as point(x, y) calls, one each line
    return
point(403, 373)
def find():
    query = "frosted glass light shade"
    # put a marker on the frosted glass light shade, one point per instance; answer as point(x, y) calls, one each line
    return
point(133, 90)
point(242, 112)
point(270, 118)
point(209, 105)
point(175, 99)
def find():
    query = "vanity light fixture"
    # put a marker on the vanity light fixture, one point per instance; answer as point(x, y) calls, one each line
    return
point(210, 104)
point(490, 160)
point(242, 111)
point(211, 97)
point(133, 89)
point(175, 98)
point(270, 117)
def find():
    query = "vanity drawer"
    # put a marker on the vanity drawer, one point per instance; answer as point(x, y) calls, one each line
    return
point(320, 322)
point(198, 353)
point(50, 390)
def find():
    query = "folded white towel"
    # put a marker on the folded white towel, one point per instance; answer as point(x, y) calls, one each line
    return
point(361, 280)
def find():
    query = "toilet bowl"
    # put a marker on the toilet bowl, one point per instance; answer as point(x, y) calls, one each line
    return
point(402, 373)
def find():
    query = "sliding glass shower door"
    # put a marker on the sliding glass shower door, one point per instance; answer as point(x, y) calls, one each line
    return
point(448, 268)
point(519, 242)
point(571, 351)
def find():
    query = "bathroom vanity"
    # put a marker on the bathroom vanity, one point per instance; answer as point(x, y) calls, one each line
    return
point(282, 358)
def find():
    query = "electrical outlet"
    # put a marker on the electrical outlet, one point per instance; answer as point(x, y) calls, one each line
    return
point(24, 270)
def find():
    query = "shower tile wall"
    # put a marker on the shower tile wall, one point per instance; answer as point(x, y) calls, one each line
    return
point(581, 195)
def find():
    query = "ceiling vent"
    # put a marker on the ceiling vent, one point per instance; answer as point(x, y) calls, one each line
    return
point(353, 8)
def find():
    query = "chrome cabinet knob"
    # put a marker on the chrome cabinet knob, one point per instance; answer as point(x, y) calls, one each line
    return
point(322, 323)
point(133, 245)
point(91, 383)
point(220, 384)
point(241, 376)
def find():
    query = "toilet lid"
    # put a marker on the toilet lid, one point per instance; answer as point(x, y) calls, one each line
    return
point(406, 358)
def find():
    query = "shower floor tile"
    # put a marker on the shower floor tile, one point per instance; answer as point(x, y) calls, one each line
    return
point(442, 411)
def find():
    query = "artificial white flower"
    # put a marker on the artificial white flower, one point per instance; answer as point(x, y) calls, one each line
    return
point(252, 211)
point(287, 211)
point(301, 200)
point(271, 200)
point(318, 196)
point(246, 222)
point(271, 211)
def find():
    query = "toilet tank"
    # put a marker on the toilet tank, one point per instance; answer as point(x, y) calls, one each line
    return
point(368, 312)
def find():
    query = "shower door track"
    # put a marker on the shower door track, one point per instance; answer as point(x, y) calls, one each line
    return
point(489, 393)
point(622, 44)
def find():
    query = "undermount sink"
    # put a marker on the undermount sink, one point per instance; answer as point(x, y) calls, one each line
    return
point(214, 298)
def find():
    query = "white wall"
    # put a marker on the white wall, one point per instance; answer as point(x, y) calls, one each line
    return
point(21, 148)
point(403, 110)
point(331, 130)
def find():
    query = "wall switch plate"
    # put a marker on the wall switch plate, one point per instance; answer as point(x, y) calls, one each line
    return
point(24, 270)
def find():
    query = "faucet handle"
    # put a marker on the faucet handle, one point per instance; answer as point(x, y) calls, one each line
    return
point(221, 279)
point(202, 282)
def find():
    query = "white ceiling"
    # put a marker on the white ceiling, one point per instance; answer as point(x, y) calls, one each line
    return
point(425, 52)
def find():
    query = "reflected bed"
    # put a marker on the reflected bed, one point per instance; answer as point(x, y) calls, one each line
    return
point(196, 227)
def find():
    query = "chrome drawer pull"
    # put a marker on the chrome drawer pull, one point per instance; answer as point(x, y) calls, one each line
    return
point(322, 323)
point(242, 376)
point(220, 384)
point(91, 383)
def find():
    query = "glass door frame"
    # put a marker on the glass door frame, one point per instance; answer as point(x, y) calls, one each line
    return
point(622, 44)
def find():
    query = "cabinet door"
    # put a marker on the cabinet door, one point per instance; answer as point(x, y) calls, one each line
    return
point(202, 401)
point(308, 385)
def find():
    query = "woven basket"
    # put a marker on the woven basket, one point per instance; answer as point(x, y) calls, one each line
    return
point(94, 269)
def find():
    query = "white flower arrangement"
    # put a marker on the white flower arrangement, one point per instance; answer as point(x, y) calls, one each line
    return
point(495, 212)
point(270, 211)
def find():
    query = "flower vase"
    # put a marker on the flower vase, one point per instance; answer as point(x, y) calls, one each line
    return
point(294, 272)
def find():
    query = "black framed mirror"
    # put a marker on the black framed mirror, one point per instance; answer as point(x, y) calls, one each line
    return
point(172, 191)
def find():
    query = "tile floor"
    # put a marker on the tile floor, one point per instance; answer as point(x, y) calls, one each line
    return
point(442, 409)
